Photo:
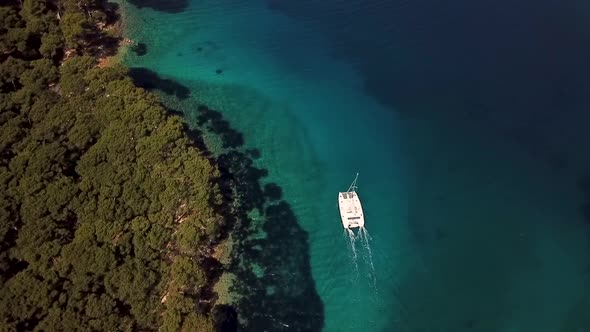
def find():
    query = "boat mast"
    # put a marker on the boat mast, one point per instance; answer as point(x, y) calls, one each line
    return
point(353, 186)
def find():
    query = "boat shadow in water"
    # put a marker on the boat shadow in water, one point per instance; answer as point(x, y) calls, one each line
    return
point(270, 255)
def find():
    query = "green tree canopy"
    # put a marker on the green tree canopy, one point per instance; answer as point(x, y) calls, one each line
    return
point(104, 202)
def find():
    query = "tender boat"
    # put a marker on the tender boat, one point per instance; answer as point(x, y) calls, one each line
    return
point(351, 210)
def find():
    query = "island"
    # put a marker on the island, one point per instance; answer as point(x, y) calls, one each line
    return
point(109, 212)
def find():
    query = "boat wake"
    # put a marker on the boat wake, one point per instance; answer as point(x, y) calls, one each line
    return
point(361, 239)
point(350, 241)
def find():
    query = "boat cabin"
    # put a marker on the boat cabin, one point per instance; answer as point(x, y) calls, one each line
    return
point(351, 210)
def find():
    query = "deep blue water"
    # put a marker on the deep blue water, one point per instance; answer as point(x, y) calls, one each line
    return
point(519, 65)
point(466, 120)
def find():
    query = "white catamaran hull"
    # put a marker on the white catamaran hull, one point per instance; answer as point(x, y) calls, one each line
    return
point(351, 210)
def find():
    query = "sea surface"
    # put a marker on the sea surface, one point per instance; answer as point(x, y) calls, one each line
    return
point(466, 121)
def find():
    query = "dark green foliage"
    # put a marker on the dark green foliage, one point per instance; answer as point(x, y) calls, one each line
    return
point(52, 42)
point(13, 33)
point(75, 28)
point(103, 200)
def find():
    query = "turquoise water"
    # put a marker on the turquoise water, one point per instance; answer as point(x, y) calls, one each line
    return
point(469, 231)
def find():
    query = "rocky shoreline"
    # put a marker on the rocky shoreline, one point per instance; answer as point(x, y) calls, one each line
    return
point(219, 256)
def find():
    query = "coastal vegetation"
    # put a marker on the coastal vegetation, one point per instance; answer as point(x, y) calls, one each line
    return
point(108, 211)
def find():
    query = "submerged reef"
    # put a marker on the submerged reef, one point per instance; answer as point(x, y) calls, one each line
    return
point(274, 287)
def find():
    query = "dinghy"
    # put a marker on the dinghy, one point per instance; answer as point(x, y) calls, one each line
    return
point(351, 210)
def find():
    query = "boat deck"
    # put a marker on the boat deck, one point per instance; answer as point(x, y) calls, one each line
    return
point(351, 210)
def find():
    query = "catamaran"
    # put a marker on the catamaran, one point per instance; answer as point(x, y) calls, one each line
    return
point(351, 210)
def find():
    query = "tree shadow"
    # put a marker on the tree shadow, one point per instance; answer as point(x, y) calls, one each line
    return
point(99, 42)
point(273, 272)
point(140, 49)
point(103, 45)
point(225, 318)
point(217, 124)
point(167, 6)
point(150, 80)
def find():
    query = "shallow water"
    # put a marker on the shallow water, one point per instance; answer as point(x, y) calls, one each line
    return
point(471, 229)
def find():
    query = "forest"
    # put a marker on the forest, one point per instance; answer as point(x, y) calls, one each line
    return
point(108, 211)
